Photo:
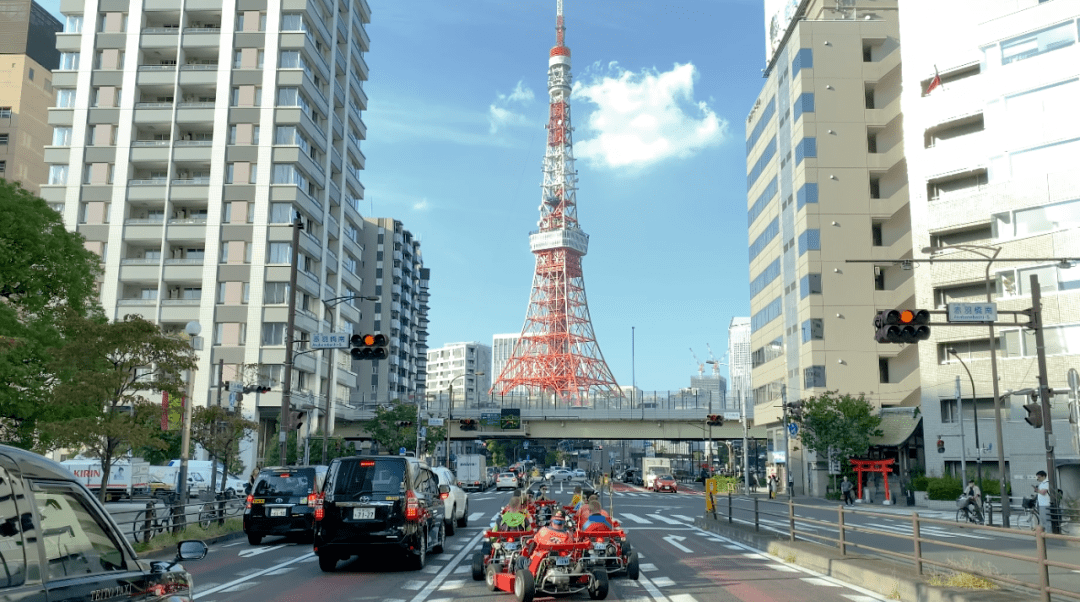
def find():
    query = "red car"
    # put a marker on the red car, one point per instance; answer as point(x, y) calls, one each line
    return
point(665, 483)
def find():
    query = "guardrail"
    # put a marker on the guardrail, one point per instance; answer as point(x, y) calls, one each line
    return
point(141, 520)
point(818, 532)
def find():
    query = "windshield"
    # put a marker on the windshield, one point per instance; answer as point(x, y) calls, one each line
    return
point(285, 484)
point(370, 476)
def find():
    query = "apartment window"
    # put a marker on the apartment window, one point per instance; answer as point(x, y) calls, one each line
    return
point(148, 294)
point(808, 193)
point(1017, 282)
point(61, 136)
point(767, 314)
point(1040, 42)
point(814, 377)
point(875, 187)
point(280, 252)
point(69, 61)
point(293, 22)
point(876, 236)
point(253, 175)
point(771, 231)
point(879, 278)
point(226, 213)
point(802, 104)
point(58, 174)
point(3, 167)
point(883, 370)
point(807, 148)
point(224, 254)
point(1059, 340)
point(287, 173)
point(804, 59)
point(273, 333)
point(3, 139)
point(73, 24)
point(275, 293)
point(31, 75)
point(238, 59)
point(290, 59)
point(191, 293)
point(281, 213)
point(230, 169)
point(255, 128)
point(813, 330)
point(1037, 220)
point(948, 411)
point(65, 98)
point(810, 240)
point(809, 284)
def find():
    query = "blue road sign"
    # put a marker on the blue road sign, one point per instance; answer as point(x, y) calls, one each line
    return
point(401, 451)
point(793, 429)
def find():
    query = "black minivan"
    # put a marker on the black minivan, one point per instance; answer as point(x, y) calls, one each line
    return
point(282, 502)
point(58, 543)
point(371, 503)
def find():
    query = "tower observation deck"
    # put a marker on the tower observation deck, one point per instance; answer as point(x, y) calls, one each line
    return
point(557, 351)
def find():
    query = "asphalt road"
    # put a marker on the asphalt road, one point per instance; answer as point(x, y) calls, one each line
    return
point(679, 563)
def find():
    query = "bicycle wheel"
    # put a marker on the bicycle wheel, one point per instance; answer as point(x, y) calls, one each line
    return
point(206, 516)
point(1028, 520)
point(961, 515)
point(143, 530)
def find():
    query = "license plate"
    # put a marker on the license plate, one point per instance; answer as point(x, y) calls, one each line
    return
point(599, 546)
point(277, 512)
point(562, 561)
point(511, 545)
point(363, 513)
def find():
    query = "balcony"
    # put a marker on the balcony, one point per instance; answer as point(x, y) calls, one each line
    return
point(202, 37)
point(339, 94)
point(156, 75)
point(183, 270)
point(956, 154)
point(159, 37)
point(140, 272)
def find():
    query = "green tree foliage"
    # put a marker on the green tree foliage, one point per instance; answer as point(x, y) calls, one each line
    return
point(45, 273)
point(841, 422)
point(220, 431)
point(497, 450)
point(106, 374)
point(273, 451)
point(391, 437)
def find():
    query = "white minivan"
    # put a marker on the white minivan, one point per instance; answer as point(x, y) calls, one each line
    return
point(200, 470)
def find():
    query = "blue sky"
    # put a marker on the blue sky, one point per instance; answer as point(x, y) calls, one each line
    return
point(458, 103)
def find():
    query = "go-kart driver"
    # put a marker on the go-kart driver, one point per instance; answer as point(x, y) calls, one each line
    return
point(597, 520)
point(514, 518)
point(554, 532)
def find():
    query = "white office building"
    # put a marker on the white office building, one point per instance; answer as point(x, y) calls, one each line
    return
point(458, 364)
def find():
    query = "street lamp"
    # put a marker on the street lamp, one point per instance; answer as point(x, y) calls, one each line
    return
point(975, 412)
point(1002, 476)
point(329, 305)
point(450, 411)
point(192, 329)
point(708, 456)
point(745, 429)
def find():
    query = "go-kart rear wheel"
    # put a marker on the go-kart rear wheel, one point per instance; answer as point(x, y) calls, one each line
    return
point(525, 588)
point(598, 586)
point(633, 570)
point(626, 548)
point(489, 576)
point(478, 567)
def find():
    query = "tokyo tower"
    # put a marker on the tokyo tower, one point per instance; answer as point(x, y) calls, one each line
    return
point(557, 350)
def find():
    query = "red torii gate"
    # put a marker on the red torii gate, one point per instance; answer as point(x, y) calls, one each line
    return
point(879, 466)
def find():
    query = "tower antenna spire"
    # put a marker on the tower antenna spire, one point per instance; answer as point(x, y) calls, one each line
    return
point(560, 27)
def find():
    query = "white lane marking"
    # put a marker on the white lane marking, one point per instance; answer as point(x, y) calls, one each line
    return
point(214, 590)
point(437, 581)
point(665, 519)
point(455, 547)
point(683, 598)
point(819, 581)
point(431, 568)
point(783, 568)
point(239, 587)
point(463, 569)
point(682, 517)
point(635, 518)
point(413, 584)
point(452, 585)
point(282, 571)
point(858, 598)
point(674, 541)
point(730, 547)
point(646, 566)
point(475, 516)
point(229, 545)
point(663, 582)
point(643, 581)
point(248, 553)
point(312, 559)
point(756, 556)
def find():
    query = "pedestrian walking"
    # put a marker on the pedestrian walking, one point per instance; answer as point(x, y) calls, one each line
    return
point(772, 486)
point(753, 482)
point(1042, 491)
point(846, 492)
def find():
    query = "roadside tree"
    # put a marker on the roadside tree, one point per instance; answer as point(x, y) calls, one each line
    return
point(220, 431)
point(843, 423)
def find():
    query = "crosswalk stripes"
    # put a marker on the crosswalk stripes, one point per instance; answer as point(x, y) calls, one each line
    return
point(665, 519)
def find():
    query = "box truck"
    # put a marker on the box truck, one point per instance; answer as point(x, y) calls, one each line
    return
point(128, 477)
point(652, 467)
point(472, 472)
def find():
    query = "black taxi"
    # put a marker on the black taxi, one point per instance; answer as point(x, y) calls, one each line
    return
point(57, 542)
point(282, 502)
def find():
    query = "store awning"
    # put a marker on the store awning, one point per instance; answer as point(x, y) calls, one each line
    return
point(896, 428)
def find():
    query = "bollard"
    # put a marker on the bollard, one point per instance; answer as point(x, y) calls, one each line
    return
point(916, 535)
point(1044, 569)
point(730, 519)
point(791, 519)
point(757, 523)
point(842, 533)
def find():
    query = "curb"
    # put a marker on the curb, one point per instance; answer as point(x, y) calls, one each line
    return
point(169, 553)
point(890, 579)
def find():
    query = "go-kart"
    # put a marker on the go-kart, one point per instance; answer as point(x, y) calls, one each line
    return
point(552, 569)
point(543, 510)
point(609, 550)
point(499, 550)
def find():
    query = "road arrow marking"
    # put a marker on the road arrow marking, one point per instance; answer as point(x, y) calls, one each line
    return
point(674, 539)
point(256, 551)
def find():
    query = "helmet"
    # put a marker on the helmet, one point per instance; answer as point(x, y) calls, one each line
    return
point(559, 515)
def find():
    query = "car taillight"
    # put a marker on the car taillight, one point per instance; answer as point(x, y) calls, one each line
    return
point(412, 506)
point(444, 495)
point(318, 502)
point(310, 501)
point(248, 504)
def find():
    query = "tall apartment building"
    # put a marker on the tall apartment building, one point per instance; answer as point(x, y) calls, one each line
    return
point(739, 367)
point(393, 271)
point(457, 364)
point(502, 348)
point(27, 56)
point(187, 136)
point(826, 183)
point(992, 164)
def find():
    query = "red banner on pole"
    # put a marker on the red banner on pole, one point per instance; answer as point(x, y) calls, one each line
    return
point(164, 410)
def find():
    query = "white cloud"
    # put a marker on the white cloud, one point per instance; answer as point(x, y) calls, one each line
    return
point(644, 118)
point(421, 205)
point(500, 116)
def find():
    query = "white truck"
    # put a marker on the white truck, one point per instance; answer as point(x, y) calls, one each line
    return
point(653, 467)
point(472, 472)
point(128, 477)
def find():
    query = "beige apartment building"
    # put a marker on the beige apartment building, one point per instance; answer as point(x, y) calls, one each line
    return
point(27, 56)
point(187, 136)
point(827, 183)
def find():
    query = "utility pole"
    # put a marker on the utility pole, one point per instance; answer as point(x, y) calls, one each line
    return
point(1044, 396)
point(787, 445)
point(286, 387)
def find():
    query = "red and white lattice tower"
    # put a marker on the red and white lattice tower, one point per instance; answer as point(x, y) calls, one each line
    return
point(557, 351)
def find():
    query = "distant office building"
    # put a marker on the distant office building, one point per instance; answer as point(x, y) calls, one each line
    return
point(27, 56)
point(502, 348)
point(739, 367)
point(826, 182)
point(992, 152)
point(186, 138)
point(393, 271)
point(715, 387)
point(457, 365)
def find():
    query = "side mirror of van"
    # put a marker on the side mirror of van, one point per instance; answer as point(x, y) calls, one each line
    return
point(444, 490)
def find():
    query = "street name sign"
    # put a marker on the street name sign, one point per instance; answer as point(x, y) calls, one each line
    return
point(333, 340)
point(972, 312)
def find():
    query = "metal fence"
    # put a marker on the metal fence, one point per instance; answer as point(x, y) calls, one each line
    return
point(143, 519)
point(839, 533)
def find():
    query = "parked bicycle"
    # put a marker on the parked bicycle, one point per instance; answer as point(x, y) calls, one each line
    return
point(149, 522)
point(1029, 519)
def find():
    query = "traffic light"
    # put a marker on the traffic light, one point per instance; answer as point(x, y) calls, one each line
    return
point(368, 346)
point(714, 420)
point(1034, 414)
point(256, 389)
point(467, 424)
point(940, 446)
point(902, 326)
point(298, 419)
point(794, 411)
point(403, 423)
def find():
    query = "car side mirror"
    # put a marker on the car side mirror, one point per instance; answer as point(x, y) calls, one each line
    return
point(444, 489)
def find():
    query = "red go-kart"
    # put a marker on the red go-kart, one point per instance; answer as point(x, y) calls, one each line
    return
point(609, 550)
point(499, 550)
point(552, 569)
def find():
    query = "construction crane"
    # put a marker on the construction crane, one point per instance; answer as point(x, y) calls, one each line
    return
point(700, 364)
point(712, 360)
